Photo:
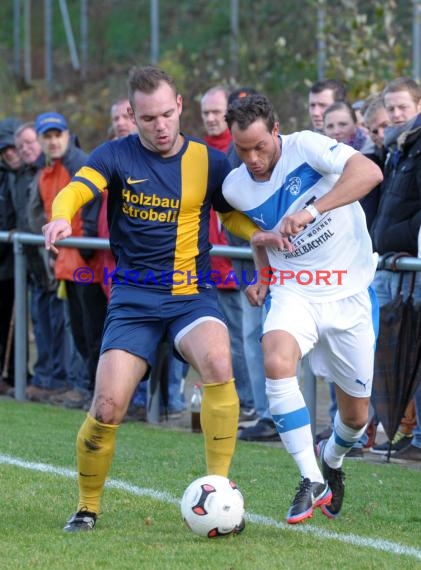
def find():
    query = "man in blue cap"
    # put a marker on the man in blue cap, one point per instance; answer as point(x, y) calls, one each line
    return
point(86, 302)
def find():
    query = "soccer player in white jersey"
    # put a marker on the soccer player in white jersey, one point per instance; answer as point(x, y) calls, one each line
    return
point(315, 264)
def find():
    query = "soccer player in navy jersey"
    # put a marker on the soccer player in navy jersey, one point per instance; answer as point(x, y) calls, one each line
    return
point(161, 185)
point(315, 253)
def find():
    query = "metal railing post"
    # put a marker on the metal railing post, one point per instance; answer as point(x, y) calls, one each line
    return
point(21, 319)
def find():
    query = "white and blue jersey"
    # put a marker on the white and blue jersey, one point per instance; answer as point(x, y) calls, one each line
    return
point(333, 255)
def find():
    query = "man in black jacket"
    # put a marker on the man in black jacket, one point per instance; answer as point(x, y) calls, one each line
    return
point(9, 165)
point(50, 370)
point(398, 219)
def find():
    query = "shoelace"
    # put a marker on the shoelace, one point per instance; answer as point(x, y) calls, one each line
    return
point(302, 489)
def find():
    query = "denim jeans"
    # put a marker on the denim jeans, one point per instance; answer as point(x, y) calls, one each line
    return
point(386, 284)
point(416, 432)
point(245, 328)
point(177, 371)
point(52, 339)
point(333, 408)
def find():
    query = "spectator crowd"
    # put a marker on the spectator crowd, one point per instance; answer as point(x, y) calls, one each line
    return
point(39, 158)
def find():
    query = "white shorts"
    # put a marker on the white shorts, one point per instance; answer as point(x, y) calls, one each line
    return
point(339, 336)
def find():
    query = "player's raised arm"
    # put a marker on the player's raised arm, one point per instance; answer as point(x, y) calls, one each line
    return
point(67, 202)
point(360, 175)
point(65, 205)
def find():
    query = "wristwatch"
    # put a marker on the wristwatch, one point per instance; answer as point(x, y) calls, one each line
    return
point(313, 211)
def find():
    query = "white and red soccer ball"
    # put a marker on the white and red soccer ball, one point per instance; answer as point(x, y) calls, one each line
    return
point(213, 506)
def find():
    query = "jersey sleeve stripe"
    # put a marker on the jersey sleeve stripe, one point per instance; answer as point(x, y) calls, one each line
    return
point(87, 183)
point(194, 180)
point(92, 179)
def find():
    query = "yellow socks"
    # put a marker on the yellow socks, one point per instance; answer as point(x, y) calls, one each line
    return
point(95, 446)
point(219, 421)
point(96, 441)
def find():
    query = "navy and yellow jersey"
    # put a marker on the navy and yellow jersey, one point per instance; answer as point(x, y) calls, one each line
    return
point(158, 210)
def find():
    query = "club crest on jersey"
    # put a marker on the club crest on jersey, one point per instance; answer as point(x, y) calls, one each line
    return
point(294, 186)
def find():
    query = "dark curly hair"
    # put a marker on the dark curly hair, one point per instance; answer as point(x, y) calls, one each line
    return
point(249, 109)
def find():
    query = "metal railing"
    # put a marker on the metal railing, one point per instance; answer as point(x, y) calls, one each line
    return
point(19, 239)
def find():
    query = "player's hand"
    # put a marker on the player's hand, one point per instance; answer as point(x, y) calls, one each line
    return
point(55, 231)
point(271, 239)
point(295, 223)
point(256, 294)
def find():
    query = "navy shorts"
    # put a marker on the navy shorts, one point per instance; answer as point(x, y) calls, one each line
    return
point(138, 319)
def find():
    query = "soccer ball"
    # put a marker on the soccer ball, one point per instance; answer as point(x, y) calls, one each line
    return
point(213, 506)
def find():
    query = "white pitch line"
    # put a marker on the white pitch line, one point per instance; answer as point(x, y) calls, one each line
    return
point(376, 544)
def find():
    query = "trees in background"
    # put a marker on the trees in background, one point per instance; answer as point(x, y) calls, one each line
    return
point(280, 49)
